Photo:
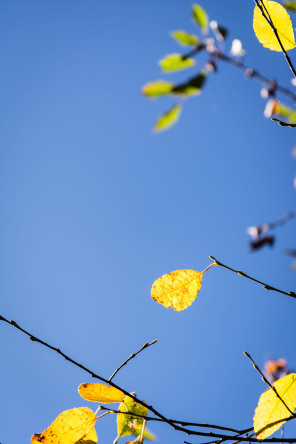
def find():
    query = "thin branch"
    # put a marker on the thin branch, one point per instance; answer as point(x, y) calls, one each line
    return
point(267, 17)
point(133, 355)
point(180, 422)
point(248, 439)
point(292, 294)
point(268, 383)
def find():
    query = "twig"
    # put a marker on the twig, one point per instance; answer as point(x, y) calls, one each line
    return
point(267, 17)
point(180, 422)
point(133, 355)
point(292, 294)
point(268, 383)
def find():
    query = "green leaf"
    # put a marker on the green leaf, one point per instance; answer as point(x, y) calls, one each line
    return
point(168, 119)
point(175, 62)
point(291, 6)
point(129, 424)
point(157, 88)
point(287, 112)
point(192, 87)
point(184, 38)
point(200, 17)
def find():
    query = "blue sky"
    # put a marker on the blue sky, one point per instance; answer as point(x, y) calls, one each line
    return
point(95, 207)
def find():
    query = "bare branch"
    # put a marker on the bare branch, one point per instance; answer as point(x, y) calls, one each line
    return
point(292, 294)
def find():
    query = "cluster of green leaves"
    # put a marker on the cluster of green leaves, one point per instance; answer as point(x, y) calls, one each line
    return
point(180, 61)
point(211, 39)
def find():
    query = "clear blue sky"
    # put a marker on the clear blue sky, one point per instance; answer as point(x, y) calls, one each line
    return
point(94, 208)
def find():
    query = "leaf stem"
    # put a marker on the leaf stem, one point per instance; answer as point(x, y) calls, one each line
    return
point(292, 294)
point(209, 267)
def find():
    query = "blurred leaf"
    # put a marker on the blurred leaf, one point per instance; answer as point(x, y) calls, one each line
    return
point(223, 31)
point(177, 289)
point(157, 88)
point(129, 424)
point(219, 31)
point(193, 86)
point(184, 38)
point(282, 23)
point(270, 408)
point(200, 17)
point(68, 428)
point(100, 393)
point(261, 242)
point(168, 119)
point(287, 112)
point(237, 48)
point(291, 6)
point(175, 62)
point(276, 108)
point(147, 434)
point(90, 438)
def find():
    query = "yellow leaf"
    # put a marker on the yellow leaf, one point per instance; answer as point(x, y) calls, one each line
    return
point(90, 438)
point(68, 428)
point(177, 289)
point(100, 393)
point(282, 23)
point(270, 408)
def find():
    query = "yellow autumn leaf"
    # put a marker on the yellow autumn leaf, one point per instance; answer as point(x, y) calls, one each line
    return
point(89, 438)
point(271, 410)
point(68, 428)
point(100, 393)
point(282, 23)
point(177, 289)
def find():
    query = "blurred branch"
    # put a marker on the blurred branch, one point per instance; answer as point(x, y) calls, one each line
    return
point(277, 223)
point(292, 294)
point(252, 73)
point(248, 71)
point(173, 423)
